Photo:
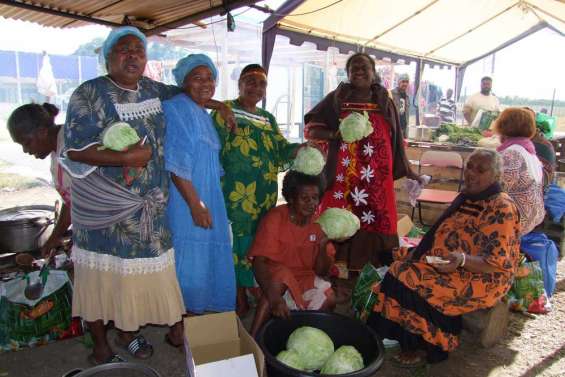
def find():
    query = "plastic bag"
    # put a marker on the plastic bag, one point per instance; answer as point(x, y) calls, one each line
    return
point(414, 188)
point(484, 119)
point(30, 323)
point(363, 298)
point(527, 292)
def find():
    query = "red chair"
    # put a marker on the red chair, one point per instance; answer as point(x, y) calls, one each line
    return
point(438, 159)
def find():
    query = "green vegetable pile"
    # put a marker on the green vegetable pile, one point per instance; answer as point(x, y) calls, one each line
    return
point(459, 135)
point(309, 160)
point(119, 136)
point(338, 223)
point(311, 349)
point(355, 127)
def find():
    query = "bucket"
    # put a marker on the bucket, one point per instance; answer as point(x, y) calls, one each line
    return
point(342, 330)
point(123, 369)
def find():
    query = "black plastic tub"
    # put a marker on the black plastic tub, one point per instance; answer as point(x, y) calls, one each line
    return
point(342, 330)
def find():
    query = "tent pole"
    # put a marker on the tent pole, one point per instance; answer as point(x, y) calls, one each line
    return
point(270, 33)
point(417, 81)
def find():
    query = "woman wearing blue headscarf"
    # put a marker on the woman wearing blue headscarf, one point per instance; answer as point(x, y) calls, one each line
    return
point(196, 210)
point(122, 251)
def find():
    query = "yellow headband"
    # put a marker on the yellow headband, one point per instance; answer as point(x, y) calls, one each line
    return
point(253, 72)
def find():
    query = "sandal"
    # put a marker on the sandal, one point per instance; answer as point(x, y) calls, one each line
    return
point(412, 362)
point(115, 358)
point(138, 347)
point(170, 343)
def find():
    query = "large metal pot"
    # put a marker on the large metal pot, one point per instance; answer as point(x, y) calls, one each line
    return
point(25, 228)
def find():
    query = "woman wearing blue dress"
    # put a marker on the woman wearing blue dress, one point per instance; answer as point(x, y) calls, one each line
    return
point(196, 211)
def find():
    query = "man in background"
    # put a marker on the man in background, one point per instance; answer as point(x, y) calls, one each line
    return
point(446, 108)
point(402, 101)
point(484, 100)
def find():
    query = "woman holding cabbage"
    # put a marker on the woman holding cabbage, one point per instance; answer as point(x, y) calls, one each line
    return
point(252, 157)
point(291, 254)
point(365, 155)
point(122, 251)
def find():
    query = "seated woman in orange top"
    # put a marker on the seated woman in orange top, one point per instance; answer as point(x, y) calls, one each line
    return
point(291, 254)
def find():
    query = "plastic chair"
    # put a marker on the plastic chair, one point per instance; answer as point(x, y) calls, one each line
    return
point(438, 159)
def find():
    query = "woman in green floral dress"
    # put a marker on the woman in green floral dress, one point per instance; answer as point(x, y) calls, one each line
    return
point(252, 157)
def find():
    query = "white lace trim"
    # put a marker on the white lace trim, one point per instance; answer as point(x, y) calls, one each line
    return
point(109, 263)
point(131, 111)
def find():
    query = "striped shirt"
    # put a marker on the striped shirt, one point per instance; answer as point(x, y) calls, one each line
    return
point(447, 110)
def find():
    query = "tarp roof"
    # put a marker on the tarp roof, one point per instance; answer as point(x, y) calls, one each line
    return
point(455, 32)
point(151, 16)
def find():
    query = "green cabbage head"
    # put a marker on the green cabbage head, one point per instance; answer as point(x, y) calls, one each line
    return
point(355, 126)
point(338, 223)
point(313, 345)
point(291, 359)
point(119, 136)
point(346, 359)
point(309, 160)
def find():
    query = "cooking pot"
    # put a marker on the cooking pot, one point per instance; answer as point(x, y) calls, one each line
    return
point(25, 228)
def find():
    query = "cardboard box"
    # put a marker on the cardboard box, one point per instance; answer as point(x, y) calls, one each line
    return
point(404, 225)
point(213, 338)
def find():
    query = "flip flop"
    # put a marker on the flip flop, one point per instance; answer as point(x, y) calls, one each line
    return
point(168, 340)
point(138, 347)
point(115, 358)
point(418, 362)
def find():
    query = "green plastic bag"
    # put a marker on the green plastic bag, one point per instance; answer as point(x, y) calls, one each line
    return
point(527, 292)
point(487, 117)
point(546, 124)
point(363, 298)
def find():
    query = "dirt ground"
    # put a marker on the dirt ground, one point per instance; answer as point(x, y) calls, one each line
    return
point(533, 346)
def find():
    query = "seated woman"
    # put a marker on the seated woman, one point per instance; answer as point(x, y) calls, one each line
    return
point(196, 211)
point(522, 175)
point(33, 127)
point(420, 303)
point(291, 254)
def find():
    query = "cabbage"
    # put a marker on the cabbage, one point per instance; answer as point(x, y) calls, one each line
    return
point(355, 127)
point(313, 345)
point(290, 358)
point(119, 136)
point(345, 359)
point(309, 160)
point(339, 223)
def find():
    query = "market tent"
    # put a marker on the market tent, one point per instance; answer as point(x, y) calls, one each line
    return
point(151, 16)
point(431, 31)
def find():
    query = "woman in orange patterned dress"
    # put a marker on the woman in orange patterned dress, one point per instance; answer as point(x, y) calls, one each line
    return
point(477, 242)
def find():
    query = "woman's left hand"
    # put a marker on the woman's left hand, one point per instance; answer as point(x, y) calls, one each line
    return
point(227, 113)
point(415, 177)
point(454, 258)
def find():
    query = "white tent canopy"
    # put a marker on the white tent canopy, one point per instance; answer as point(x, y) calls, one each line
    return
point(454, 32)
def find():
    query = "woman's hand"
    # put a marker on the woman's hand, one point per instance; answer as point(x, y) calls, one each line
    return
point(138, 155)
point(279, 307)
point(50, 247)
point(201, 216)
point(455, 259)
point(227, 113)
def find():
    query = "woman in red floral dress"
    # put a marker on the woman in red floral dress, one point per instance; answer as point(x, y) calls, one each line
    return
point(360, 175)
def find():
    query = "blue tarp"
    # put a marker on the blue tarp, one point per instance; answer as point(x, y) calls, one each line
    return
point(64, 67)
point(540, 248)
point(555, 202)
